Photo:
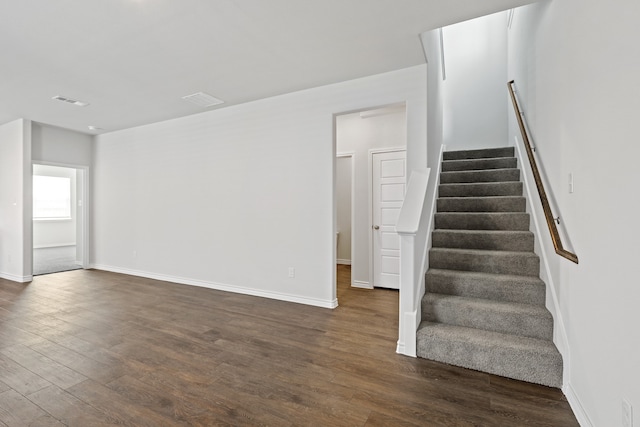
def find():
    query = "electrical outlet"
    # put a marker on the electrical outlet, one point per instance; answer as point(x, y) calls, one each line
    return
point(135, 254)
point(292, 272)
point(627, 414)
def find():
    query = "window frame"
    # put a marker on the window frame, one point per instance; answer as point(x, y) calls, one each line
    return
point(54, 204)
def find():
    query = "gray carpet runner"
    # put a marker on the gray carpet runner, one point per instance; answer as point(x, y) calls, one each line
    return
point(484, 306)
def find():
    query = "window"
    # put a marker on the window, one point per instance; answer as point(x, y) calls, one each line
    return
point(51, 197)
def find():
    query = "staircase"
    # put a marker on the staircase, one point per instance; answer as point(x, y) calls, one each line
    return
point(484, 306)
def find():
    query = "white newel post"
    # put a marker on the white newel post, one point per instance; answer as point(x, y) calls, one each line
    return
point(408, 315)
point(411, 254)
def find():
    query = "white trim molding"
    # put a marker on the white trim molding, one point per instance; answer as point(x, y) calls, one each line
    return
point(560, 338)
point(85, 197)
point(220, 286)
point(14, 278)
point(54, 245)
point(411, 263)
point(576, 405)
point(352, 155)
point(360, 284)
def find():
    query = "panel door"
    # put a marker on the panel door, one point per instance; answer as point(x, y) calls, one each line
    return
point(389, 186)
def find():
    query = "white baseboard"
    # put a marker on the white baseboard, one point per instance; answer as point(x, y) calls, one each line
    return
point(221, 286)
point(14, 278)
point(360, 284)
point(55, 245)
point(576, 406)
point(407, 344)
point(343, 261)
point(560, 337)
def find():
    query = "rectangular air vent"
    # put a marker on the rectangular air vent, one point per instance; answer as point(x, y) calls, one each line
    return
point(70, 101)
point(202, 99)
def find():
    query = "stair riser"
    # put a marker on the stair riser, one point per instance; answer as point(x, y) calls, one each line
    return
point(518, 291)
point(479, 221)
point(480, 190)
point(497, 175)
point(481, 204)
point(497, 263)
point(517, 241)
point(516, 323)
point(479, 154)
point(485, 304)
point(507, 362)
point(480, 164)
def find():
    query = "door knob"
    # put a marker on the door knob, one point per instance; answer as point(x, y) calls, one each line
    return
point(376, 227)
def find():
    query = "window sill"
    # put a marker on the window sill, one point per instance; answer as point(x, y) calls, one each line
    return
point(52, 219)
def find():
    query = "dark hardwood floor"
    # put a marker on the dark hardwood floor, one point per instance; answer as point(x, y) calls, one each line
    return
point(90, 348)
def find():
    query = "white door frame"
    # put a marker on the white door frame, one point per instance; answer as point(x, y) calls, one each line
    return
point(85, 208)
point(370, 185)
point(351, 155)
point(334, 281)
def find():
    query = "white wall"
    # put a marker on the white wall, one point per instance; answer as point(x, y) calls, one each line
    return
point(431, 43)
point(343, 200)
point(576, 65)
point(63, 146)
point(15, 200)
point(233, 197)
point(50, 233)
point(358, 135)
point(474, 92)
point(435, 101)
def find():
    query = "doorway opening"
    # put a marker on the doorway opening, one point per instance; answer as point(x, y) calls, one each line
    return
point(59, 219)
point(358, 136)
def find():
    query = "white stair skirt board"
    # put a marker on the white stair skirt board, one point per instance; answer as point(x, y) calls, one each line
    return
point(576, 406)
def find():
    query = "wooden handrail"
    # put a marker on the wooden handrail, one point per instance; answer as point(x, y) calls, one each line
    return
point(553, 229)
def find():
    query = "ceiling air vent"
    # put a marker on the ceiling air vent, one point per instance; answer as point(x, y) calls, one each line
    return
point(70, 101)
point(202, 99)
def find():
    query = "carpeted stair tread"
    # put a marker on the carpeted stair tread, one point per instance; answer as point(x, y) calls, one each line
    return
point(479, 164)
point(479, 153)
point(499, 262)
point(480, 189)
point(484, 306)
point(525, 320)
point(490, 175)
point(498, 287)
point(522, 358)
point(516, 221)
point(482, 204)
point(494, 240)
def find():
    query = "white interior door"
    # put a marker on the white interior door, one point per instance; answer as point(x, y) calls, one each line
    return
point(389, 185)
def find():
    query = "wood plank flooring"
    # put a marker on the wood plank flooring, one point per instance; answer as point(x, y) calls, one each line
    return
point(92, 348)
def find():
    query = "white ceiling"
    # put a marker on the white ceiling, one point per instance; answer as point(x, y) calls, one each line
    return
point(133, 60)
